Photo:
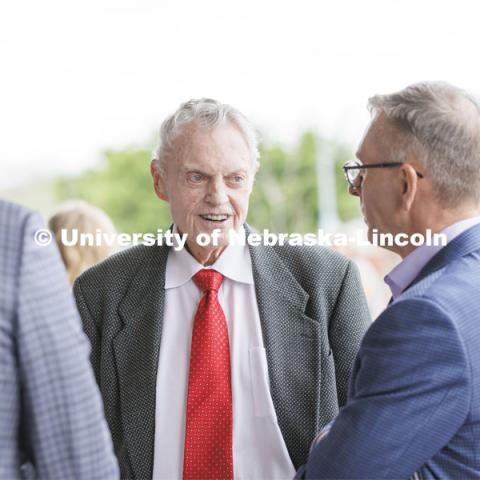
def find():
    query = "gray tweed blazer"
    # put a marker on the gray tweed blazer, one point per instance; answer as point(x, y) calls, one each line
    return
point(313, 314)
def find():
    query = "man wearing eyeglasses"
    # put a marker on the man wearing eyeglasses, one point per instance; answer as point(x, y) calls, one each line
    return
point(414, 395)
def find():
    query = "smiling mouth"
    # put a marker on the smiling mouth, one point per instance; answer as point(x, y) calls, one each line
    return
point(215, 218)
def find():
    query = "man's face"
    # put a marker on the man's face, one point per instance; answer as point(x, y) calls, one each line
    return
point(208, 181)
point(379, 191)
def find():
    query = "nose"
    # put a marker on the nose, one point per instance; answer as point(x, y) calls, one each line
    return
point(216, 193)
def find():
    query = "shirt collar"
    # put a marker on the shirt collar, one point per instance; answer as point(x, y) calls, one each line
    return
point(407, 270)
point(234, 263)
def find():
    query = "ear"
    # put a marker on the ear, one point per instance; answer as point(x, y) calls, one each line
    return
point(158, 182)
point(409, 184)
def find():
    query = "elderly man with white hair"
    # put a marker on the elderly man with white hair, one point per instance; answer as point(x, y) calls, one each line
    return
point(414, 397)
point(218, 361)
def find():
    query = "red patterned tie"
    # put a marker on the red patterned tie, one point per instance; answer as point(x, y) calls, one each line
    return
point(208, 435)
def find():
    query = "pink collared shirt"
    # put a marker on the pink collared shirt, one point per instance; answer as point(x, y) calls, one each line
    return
point(406, 271)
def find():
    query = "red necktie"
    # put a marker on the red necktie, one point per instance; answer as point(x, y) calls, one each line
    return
point(208, 435)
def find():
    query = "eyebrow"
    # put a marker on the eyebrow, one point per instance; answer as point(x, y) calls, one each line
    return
point(188, 168)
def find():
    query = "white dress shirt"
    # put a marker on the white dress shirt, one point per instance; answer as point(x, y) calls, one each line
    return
point(259, 451)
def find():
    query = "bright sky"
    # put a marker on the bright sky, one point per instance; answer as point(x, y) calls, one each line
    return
point(80, 77)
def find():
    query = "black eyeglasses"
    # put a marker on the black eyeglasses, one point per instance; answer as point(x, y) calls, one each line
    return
point(352, 170)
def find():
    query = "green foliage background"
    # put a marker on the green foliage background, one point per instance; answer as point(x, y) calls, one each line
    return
point(284, 197)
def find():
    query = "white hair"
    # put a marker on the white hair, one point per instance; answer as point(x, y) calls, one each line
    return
point(441, 123)
point(205, 113)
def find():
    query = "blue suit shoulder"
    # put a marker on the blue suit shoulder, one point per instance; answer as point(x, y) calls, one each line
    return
point(454, 289)
point(14, 217)
point(457, 285)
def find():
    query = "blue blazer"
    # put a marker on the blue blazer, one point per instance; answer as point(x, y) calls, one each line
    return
point(414, 394)
point(51, 415)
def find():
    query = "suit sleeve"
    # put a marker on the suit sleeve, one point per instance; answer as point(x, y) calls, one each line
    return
point(64, 414)
point(347, 327)
point(410, 394)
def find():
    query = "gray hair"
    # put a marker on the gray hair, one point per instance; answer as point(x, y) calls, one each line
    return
point(441, 124)
point(205, 113)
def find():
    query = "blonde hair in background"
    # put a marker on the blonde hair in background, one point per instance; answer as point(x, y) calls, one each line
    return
point(85, 218)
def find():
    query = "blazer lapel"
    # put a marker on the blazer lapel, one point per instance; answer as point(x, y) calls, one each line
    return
point(292, 347)
point(136, 350)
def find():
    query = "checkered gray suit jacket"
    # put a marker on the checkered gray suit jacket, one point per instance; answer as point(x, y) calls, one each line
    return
point(51, 418)
point(313, 315)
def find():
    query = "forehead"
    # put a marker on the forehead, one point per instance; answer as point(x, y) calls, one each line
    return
point(220, 148)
